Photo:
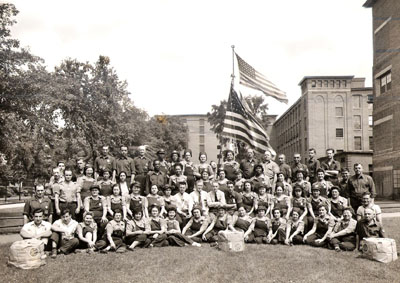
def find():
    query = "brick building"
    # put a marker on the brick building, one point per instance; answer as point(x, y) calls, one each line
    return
point(386, 70)
point(332, 112)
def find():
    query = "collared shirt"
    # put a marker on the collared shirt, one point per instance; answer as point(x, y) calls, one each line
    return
point(113, 226)
point(124, 164)
point(280, 223)
point(313, 165)
point(314, 203)
point(67, 191)
point(270, 169)
point(286, 170)
point(347, 226)
point(70, 228)
point(296, 226)
point(323, 186)
point(287, 189)
point(367, 230)
point(52, 183)
point(183, 202)
point(155, 178)
point(35, 203)
point(32, 229)
point(298, 167)
point(216, 197)
point(233, 197)
point(200, 199)
point(327, 221)
point(141, 165)
point(344, 188)
point(165, 166)
point(374, 207)
point(104, 163)
point(247, 167)
point(361, 184)
point(173, 224)
point(340, 200)
point(334, 165)
point(138, 225)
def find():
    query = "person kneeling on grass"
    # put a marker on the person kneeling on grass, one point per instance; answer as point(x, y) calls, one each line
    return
point(196, 225)
point(113, 237)
point(63, 234)
point(37, 229)
point(87, 232)
point(137, 230)
point(175, 237)
point(158, 228)
point(343, 236)
point(221, 222)
point(368, 227)
point(294, 229)
point(277, 231)
point(260, 226)
point(323, 226)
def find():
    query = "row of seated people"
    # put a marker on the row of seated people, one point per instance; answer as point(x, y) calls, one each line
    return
point(210, 204)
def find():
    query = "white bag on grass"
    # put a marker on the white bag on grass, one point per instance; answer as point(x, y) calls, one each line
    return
point(231, 241)
point(27, 254)
point(379, 249)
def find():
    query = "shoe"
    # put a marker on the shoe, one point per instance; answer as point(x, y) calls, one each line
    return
point(337, 249)
point(90, 250)
point(215, 244)
point(54, 253)
point(196, 245)
point(121, 250)
point(129, 248)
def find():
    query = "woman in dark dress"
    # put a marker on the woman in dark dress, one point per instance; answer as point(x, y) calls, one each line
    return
point(260, 226)
point(196, 226)
point(249, 198)
point(242, 223)
point(221, 222)
point(323, 226)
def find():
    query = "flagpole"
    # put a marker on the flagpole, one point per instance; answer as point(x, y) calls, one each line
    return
point(233, 63)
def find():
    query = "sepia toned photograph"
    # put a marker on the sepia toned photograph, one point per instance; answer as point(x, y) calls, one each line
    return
point(199, 141)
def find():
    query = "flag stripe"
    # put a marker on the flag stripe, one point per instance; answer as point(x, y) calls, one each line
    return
point(228, 127)
point(252, 120)
point(253, 79)
point(232, 120)
point(245, 140)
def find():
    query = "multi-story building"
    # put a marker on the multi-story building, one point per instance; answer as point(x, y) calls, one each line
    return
point(332, 112)
point(386, 70)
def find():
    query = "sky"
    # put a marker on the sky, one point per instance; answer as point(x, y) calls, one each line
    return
point(176, 55)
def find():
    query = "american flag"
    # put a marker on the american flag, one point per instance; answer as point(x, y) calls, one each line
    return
point(251, 78)
point(240, 124)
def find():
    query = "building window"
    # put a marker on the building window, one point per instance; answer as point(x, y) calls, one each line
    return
point(201, 121)
point(202, 139)
point(339, 111)
point(371, 143)
point(344, 83)
point(396, 178)
point(201, 129)
point(339, 132)
point(357, 143)
point(370, 121)
point(357, 101)
point(357, 122)
point(313, 84)
point(332, 83)
point(319, 83)
point(386, 82)
point(325, 83)
point(202, 148)
point(338, 84)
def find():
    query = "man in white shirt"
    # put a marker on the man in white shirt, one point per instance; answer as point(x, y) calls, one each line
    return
point(184, 204)
point(200, 198)
point(217, 199)
point(63, 236)
point(368, 203)
point(38, 228)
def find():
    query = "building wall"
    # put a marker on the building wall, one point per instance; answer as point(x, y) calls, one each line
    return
point(327, 104)
point(386, 44)
point(201, 138)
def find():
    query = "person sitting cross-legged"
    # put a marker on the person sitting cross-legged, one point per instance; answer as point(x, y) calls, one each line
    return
point(63, 236)
point(87, 232)
point(37, 229)
point(137, 230)
point(343, 235)
point(113, 237)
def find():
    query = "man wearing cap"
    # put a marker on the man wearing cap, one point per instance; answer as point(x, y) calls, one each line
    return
point(125, 164)
point(323, 185)
point(164, 164)
point(97, 205)
point(200, 198)
point(313, 165)
point(68, 195)
point(298, 166)
point(270, 167)
point(38, 201)
point(142, 164)
point(331, 167)
point(284, 168)
point(359, 184)
point(104, 162)
point(155, 177)
point(38, 228)
point(247, 164)
point(368, 227)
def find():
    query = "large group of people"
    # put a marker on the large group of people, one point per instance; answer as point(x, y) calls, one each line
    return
point(120, 204)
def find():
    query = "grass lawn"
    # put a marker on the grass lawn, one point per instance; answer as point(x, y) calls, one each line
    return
point(258, 263)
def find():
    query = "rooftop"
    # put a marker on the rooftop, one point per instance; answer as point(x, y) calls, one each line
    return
point(369, 3)
point(326, 78)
